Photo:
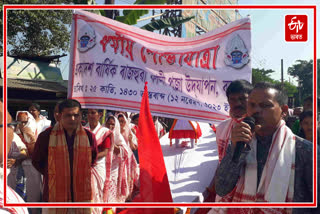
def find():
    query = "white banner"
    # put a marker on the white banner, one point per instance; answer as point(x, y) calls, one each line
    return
point(187, 77)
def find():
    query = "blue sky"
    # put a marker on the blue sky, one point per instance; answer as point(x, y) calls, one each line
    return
point(268, 44)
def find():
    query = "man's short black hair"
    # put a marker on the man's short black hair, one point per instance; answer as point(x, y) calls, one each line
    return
point(281, 96)
point(36, 105)
point(69, 103)
point(58, 103)
point(239, 86)
point(305, 114)
point(134, 117)
point(98, 110)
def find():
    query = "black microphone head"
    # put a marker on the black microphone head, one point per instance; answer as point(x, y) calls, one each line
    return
point(251, 121)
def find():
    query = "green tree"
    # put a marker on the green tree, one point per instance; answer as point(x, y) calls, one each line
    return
point(262, 75)
point(47, 32)
point(290, 88)
point(130, 17)
point(303, 70)
point(165, 23)
point(37, 32)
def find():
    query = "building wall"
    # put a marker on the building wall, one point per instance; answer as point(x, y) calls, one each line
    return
point(20, 99)
point(207, 19)
point(23, 69)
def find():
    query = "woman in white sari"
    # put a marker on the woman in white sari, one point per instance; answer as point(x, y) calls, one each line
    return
point(104, 138)
point(124, 170)
point(17, 153)
point(26, 131)
point(126, 132)
point(11, 195)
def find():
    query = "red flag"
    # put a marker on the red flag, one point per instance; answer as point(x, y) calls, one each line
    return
point(154, 184)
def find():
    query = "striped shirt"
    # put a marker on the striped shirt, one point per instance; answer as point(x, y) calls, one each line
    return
point(12, 197)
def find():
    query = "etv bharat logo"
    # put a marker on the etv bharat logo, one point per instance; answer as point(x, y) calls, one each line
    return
point(296, 28)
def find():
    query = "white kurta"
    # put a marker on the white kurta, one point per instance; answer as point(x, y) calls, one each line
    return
point(42, 125)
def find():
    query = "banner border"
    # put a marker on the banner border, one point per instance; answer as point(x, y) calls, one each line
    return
point(42, 7)
point(201, 115)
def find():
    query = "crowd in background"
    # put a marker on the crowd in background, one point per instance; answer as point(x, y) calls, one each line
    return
point(115, 171)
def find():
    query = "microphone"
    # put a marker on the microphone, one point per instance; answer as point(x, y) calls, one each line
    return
point(239, 146)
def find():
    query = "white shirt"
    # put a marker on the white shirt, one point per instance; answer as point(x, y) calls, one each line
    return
point(12, 197)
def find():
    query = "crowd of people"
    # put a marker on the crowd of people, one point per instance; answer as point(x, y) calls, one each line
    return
point(67, 160)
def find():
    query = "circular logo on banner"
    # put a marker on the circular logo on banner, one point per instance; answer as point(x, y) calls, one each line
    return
point(236, 53)
point(86, 38)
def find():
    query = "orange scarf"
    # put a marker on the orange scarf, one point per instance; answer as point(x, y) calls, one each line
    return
point(59, 168)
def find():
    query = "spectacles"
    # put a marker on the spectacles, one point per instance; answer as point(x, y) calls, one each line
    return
point(10, 124)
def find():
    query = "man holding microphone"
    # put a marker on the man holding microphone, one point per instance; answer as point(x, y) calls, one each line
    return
point(274, 165)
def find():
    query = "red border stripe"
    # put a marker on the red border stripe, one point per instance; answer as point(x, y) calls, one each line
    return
point(5, 104)
point(136, 103)
point(6, 7)
point(315, 167)
point(159, 6)
point(244, 26)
